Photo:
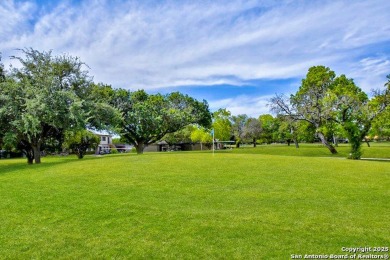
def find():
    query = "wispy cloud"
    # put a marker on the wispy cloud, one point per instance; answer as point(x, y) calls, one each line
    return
point(157, 44)
point(14, 19)
point(243, 104)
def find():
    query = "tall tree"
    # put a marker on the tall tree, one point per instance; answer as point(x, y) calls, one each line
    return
point(270, 126)
point(202, 135)
point(252, 130)
point(355, 112)
point(147, 118)
point(309, 103)
point(3, 119)
point(222, 125)
point(381, 127)
point(238, 126)
point(329, 102)
point(80, 141)
point(288, 130)
point(41, 99)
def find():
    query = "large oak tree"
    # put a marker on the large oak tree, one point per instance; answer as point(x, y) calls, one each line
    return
point(39, 99)
point(147, 118)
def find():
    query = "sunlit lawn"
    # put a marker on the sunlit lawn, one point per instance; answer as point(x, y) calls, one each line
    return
point(376, 150)
point(235, 204)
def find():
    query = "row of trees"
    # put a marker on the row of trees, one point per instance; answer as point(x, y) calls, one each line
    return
point(244, 129)
point(334, 105)
point(51, 101)
point(326, 107)
point(52, 98)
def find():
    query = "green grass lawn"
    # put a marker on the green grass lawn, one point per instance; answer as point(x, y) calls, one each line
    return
point(191, 205)
point(376, 150)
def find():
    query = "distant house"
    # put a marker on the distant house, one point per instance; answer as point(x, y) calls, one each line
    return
point(105, 143)
point(163, 146)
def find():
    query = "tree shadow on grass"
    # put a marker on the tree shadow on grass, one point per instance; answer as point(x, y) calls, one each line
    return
point(385, 160)
point(20, 165)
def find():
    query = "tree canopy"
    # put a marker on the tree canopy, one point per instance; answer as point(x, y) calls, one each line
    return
point(222, 124)
point(325, 101)
point(39, 99)
point(202, 135)
point(147, 118)
point(252, 130)
point(80, 141)
point(49, 99)
point(238, 127)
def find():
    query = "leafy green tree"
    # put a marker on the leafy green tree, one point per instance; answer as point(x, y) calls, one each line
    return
point(80, 141)
point(3, 119)
point(222, 125)
point(270, 126)
point(118, 140)
point(381, 127)
point(202, 135)
point(294, 131)
point(39, 99)
point(309, 103)
point(306, 132)
point(288, 130)
point(238, 127)
point(181, 136)
point(102, 115)
point(252, 130)
point(332, 104)
point(355, 112)
point(381, 124)
point(2, 71)
point(147, 118)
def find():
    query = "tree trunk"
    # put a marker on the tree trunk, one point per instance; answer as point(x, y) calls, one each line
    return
point(80, 153)
point(140, 147)
point(335, 142)
point(355, 137)
point(37, 153)
point(30, 156)
point(328, 145)
point(355, 150)
point(288, 142)
point(296, 143)
point(367, 142)
point(254, 142)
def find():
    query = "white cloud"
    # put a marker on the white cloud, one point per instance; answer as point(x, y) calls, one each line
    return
point(370, 72)
point(251, 106)
point(14, 17)
point(165, 44)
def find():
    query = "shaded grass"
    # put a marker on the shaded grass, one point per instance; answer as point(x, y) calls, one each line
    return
point(191, 205)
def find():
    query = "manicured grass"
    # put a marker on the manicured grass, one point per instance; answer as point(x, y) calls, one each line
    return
point(376, 150)
point(192, 206)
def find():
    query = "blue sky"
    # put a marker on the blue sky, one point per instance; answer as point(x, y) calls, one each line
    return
point(235, 54)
